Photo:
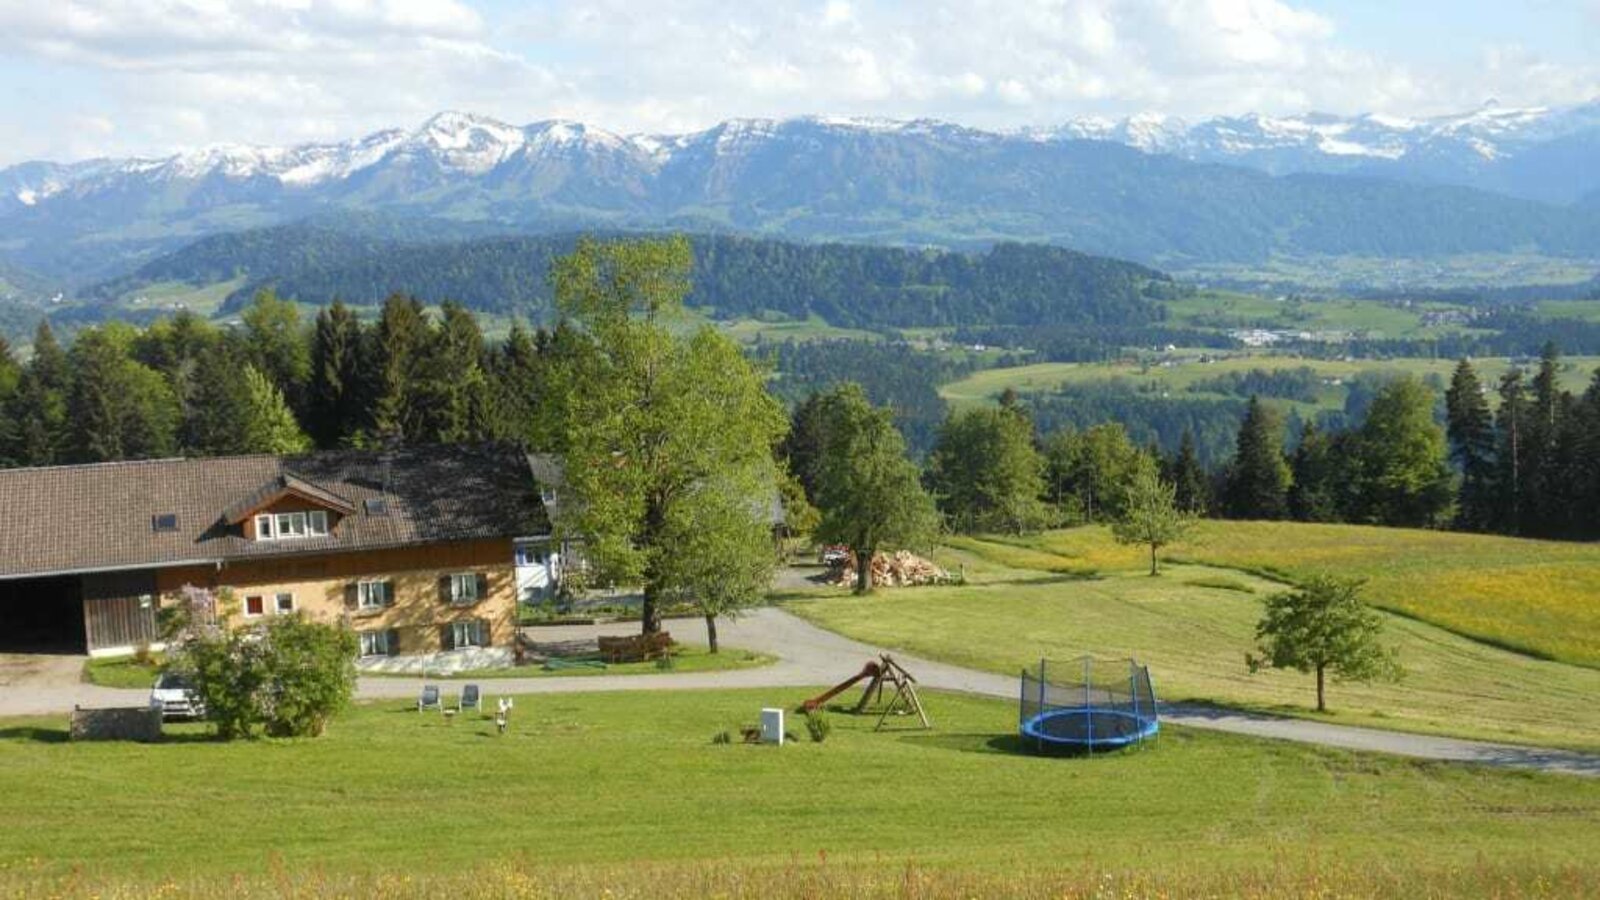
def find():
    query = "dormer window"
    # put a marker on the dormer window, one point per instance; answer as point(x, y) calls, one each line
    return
point(288, 526)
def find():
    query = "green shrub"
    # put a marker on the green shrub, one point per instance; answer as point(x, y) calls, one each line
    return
point(286, 678)
point(818, 725)
point(722, 737)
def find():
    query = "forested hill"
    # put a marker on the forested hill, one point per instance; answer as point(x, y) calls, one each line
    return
point(858, 286)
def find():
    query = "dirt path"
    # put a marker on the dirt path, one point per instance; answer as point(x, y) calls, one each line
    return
point(810, 656)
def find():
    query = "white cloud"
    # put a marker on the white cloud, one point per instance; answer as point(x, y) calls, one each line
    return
point(170, 73)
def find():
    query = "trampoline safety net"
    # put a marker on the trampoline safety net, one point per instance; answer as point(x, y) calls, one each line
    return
point(1087, 703)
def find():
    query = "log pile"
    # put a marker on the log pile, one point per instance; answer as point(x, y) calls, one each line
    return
point(899, 569)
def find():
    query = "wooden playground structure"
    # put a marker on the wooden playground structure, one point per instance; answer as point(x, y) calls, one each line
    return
point(878, 674)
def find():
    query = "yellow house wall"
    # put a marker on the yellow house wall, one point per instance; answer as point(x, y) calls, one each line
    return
point(319, 583)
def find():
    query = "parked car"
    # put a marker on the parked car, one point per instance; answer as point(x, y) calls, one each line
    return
point(835, 555)
point(176, 698)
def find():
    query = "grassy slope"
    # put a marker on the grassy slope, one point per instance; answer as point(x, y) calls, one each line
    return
point(1193, 626)
point(608, 779)
point(985, 385)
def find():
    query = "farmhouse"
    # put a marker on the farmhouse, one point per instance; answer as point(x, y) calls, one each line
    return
point(418, 549)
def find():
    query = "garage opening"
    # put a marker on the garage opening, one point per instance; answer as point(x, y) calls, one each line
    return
point(42, 615)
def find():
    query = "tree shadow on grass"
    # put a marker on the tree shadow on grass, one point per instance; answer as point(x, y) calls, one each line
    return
point(966, 742)
point(37, 734)
point(44, 734)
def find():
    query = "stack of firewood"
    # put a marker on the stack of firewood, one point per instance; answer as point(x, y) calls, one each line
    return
point(899, 569)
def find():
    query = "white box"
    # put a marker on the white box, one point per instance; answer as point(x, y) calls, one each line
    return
point(772, 726)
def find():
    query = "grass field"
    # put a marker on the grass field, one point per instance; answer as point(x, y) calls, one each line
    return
point(587, 791)
point(1228, 310)
point(1186, 369)
point(1064, 594)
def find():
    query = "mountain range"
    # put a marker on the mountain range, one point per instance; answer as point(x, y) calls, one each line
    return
point(1158, 191)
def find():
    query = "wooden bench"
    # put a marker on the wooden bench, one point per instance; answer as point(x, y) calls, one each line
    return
point(635, 647)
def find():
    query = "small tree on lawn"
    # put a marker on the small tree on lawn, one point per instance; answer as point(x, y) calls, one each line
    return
point(869, 492)
point(1152, 516)
point(723, 557)
point(1324, 627)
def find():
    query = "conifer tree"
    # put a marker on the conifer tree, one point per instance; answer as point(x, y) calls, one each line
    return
point(1258, 480)
point(334, 395)
point(400, 342)
point(218, 414)
point(1470, 428)
point(453, 387)
point(1191, 486)
point(1511, 454)
point(1319, 475)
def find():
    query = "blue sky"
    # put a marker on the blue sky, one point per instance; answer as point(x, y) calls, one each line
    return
point(118, 77)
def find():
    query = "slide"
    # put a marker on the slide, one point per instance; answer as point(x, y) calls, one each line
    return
point(870, 670)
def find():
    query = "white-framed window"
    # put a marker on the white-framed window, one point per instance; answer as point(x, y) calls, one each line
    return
point(254, 605)
point(470, 633)
point(317, 523)
point(264, 530)
point(547, 496)
point(533, 554)
point(374, 643)
point(374, 594)
point(464, 587)
point(291, 525)
point(283, 603)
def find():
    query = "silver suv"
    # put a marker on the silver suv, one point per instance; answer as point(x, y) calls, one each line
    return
point(176, 698)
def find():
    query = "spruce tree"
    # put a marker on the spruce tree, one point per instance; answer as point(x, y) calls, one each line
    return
point(1258, 480)
point(1511, 454)
point(453, 387)
point(1470, 427)
point(518, 387)
point(219, 409)
point(334, 399)
point(1318, 476)
point(400, 342)
point(1545, 495)
point(1191, 486)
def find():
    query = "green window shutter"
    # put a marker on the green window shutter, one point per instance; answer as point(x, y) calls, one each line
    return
point(394, 642)
point(483, 585)
point(351, 600)
point(388, 593)
point(444, 588)
point(447, 637)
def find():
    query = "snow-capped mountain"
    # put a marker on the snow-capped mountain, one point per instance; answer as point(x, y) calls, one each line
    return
point(1513, 151)
point(1456, 149)
point(1145, 187)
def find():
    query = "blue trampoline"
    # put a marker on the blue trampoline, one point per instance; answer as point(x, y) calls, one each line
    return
point(1087, 705)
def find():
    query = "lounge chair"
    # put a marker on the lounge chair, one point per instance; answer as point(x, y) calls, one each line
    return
point(430, 698)
point(470, 697)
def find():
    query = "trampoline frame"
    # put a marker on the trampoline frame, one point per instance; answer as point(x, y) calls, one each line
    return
point(1146, 717)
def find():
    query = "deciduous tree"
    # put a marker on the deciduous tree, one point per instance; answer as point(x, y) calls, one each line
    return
point(1324, 627)
point(653, 420)
point(870, 494)
point(1152, 517)
point(986, 473)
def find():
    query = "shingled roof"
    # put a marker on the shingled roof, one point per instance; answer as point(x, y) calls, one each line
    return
point(101, 517)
